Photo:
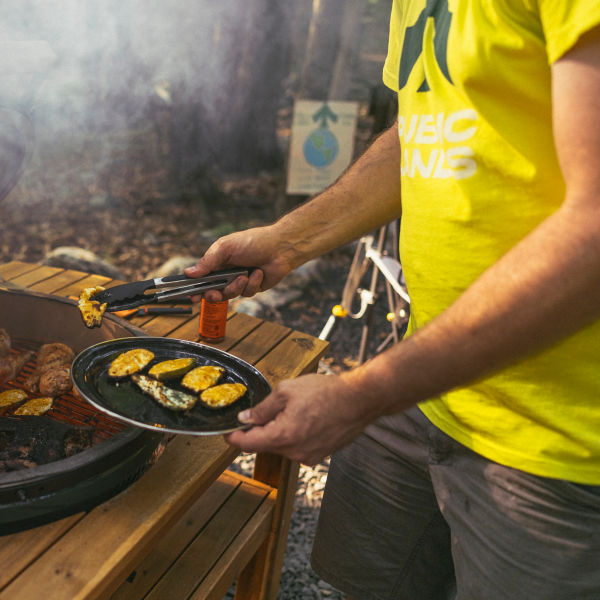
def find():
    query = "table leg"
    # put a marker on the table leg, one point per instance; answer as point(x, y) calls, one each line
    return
point(259, 580)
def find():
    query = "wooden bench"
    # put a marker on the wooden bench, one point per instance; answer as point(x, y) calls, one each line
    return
point(209, 546)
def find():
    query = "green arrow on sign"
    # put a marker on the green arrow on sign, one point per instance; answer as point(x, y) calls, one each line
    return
point(325, 113)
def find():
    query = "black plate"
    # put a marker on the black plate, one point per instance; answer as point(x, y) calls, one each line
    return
point(126, 402)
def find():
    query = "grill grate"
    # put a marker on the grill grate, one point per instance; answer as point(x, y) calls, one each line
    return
point(67, 408)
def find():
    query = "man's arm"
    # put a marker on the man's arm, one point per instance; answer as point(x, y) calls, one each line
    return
point(364, 198)
point(513, 310)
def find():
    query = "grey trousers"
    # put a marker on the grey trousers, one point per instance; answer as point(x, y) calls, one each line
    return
point(410, 514)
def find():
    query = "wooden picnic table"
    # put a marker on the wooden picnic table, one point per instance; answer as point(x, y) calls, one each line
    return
point(188, 527)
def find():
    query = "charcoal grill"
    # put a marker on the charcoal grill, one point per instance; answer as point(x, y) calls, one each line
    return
point(118, 454)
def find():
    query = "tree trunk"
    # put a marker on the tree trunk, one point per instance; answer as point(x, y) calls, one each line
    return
point(331, 49)
point(258, 57)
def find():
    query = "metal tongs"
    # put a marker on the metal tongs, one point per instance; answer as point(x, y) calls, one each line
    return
point(165, 289)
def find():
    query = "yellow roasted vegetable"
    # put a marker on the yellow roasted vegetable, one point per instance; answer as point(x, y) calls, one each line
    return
point(222, 395)
point(170, 369)
point(130, 362)
point(200, 378)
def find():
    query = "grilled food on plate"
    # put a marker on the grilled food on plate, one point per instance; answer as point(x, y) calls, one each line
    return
point(200, 378)
point(171, 369)
point(130, 362)
point(168, 397)
point(222, 395)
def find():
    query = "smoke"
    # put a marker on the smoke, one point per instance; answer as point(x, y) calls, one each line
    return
point(104, 71)
point(113, 57)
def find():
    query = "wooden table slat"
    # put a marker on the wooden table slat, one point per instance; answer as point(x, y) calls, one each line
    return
point(297, 354)
point(16, 268)
point(31, 544)
point(58, 281)
point(32, 277)
point(174, 542)
point(214, 586)
point(194, 564)
point(74, 289)
point(162, 326)
point(258, 343)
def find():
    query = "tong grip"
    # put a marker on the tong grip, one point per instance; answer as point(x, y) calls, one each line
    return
point(229, 274)
point(197, 285)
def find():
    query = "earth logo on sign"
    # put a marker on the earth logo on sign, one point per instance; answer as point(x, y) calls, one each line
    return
point(321, 146)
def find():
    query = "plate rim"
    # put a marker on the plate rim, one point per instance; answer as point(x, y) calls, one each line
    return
point(142, 340)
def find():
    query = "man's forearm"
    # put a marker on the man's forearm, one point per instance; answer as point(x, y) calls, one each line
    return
point(513, 310)
point(365, 197)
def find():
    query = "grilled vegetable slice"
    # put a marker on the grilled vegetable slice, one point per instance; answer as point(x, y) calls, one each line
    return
point(130, 362)
point(91, 310)
point(170, 369)
point(166, 396)
point(200, 378)
point(222, 395)
point(36, 407)
point(12, 397)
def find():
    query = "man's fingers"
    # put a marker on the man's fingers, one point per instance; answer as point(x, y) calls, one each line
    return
point(204, 266)
point(263, 412)
point(253, 285)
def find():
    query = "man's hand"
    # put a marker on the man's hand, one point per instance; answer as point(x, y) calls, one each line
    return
point(260, 247)
point(364, 198)
point(305, 419)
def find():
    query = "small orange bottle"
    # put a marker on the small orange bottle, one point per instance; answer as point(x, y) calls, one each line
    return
point(213, 319)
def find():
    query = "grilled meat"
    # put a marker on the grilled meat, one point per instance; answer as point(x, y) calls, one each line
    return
point(52, 354)
point(52, 375)
point(56, 381)
point(11, 365)
point(5, 342)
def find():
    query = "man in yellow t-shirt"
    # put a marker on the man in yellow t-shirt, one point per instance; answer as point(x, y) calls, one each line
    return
point(467, 457)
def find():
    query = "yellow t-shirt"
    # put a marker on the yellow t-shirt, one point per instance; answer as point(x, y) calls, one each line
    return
point(479, 171)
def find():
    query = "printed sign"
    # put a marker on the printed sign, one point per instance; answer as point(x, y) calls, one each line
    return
point(322, 144)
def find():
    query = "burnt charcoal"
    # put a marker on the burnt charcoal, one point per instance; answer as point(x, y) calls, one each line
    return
point(38, 440)
point(15, 464)
point(77, 440)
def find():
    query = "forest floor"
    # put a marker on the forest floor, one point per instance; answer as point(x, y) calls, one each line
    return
point(139, 237)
